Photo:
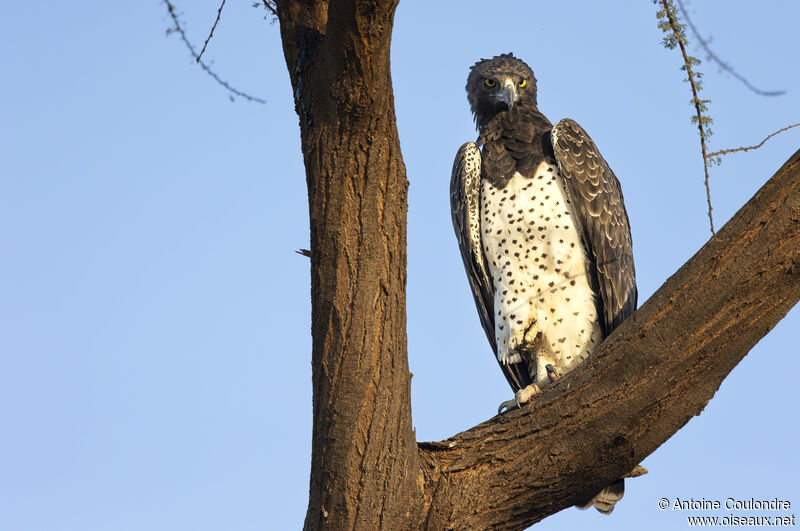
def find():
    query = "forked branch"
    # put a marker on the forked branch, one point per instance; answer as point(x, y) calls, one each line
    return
point(178, 28)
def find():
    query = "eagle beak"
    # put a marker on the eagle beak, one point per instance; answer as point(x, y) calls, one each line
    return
point(510, 93)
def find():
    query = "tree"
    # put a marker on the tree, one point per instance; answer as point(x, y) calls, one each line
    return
point(368, 471)
point(648, 379)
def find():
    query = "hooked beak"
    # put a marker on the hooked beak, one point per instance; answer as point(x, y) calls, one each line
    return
point(509, 93)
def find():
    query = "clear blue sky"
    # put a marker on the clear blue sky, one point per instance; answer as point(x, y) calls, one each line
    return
point(154, 319)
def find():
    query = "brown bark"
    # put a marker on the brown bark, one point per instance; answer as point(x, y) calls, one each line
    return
point(650, 377)
point(363, 448)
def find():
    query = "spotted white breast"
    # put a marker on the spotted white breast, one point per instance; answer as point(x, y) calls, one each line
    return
point(544, 305)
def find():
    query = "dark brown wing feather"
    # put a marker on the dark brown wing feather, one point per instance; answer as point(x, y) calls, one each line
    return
point(597, 199)
point(465, 193)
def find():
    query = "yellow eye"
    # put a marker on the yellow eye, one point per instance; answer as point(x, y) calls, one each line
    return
point(489, 82)
point(522, 83)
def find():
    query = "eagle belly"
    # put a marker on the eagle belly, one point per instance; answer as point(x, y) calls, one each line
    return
point(544, 305)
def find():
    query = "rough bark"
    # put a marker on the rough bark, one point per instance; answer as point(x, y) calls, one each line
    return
point(363, 449)
point(649, 378)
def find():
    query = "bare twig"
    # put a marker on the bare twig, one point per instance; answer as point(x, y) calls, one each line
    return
point(720, 62)
point(678, 38)
point(211, 34)
point(304, 252)
point(726, 151)
point(269, 6)
point(205, 67)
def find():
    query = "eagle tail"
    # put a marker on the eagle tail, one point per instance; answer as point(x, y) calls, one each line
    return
point(605, 500)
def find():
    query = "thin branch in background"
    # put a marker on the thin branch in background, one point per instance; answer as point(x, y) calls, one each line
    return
point(269, 6)
point(726, 151)
point(720, 62)
point(676, 36)
point(271, 9)
point(204, 66)
point(219, 14)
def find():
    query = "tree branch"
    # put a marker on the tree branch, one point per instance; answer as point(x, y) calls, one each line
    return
point(179, 29)
point(656, 371)
point(711, 55)
point(268, 5)
point(211, 33)
point(733, 150)
point(676, 35)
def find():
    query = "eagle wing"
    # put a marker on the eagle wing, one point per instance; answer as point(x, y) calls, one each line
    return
point(596, 197)
point(465, 195)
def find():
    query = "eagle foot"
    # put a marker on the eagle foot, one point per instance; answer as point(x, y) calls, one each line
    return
point(521, 397)
point(552, 375)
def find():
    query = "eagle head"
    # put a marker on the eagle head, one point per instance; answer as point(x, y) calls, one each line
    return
point(497, 84)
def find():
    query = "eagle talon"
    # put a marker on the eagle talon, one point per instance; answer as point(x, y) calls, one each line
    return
point(552, 375)
point(521, 397)
point(508, 405)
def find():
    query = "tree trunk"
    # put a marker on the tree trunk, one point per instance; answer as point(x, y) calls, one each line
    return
point(656, 371)
point(364, 452)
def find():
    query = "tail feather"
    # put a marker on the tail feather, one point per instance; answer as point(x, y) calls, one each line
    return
point(605, 500)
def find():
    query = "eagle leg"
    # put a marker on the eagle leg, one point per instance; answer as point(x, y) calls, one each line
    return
point(521, 397)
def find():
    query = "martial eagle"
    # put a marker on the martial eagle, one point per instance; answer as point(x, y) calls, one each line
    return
point(544, 235)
